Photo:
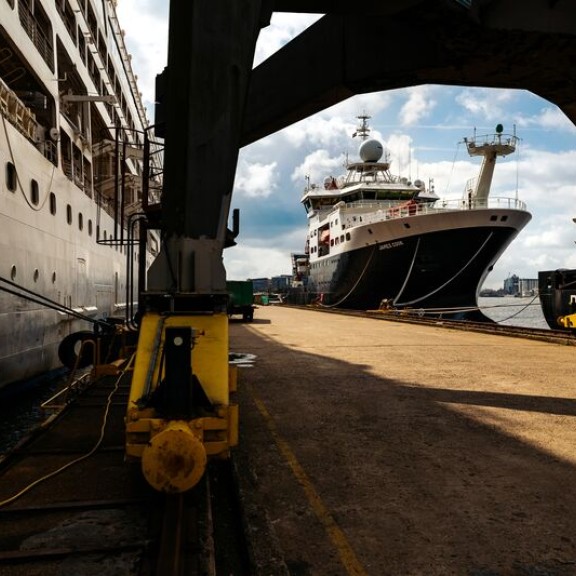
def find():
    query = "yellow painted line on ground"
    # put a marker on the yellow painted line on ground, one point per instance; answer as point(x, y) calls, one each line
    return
point(345, 552)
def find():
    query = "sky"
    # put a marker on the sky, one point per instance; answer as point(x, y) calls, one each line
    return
point(422, 127)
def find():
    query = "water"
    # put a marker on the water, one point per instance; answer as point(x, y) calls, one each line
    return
point(511, 311)
point(20, 412)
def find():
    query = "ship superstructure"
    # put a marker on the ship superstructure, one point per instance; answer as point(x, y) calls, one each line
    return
point(72, 140)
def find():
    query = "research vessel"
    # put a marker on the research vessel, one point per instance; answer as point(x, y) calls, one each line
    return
point(376, 240)
point(73, 137)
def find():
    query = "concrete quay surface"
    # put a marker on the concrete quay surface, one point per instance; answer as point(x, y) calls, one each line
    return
point(380, 448)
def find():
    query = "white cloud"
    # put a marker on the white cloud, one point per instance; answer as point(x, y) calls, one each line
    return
point(317, 166)
point(418, 106)
point(255, 180)
point(485, 103)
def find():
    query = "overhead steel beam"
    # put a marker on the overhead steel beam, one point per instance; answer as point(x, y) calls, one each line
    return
point(340, 56)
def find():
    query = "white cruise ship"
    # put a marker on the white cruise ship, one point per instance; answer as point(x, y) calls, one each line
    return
point(72, 131)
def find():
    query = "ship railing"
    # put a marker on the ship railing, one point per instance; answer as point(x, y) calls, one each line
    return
point(378, 211)
point(34, 30)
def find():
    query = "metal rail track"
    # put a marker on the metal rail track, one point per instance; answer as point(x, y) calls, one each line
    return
point(99, 514)
point(556, 336)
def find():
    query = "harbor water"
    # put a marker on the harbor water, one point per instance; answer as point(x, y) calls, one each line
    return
point(512, 311)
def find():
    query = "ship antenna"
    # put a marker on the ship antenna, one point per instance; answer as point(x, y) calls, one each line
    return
point(363, 130)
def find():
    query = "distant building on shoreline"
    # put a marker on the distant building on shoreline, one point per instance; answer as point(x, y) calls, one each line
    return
point(515, 286)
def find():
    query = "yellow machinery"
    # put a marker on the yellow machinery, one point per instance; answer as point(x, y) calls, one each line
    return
point(568, 322)
point(179, 411)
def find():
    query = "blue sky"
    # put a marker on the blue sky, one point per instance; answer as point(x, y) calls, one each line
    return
point(420, 126)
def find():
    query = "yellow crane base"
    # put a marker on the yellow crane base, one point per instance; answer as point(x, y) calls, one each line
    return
point(174, 450)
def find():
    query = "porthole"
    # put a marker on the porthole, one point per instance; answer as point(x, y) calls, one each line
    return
point(504, 218)
point(493, 218)
point(68, 213)
point(36, 275)
point(80, 221)
point(52, 203)
point(11, 176)
point(13, 273)
point(34, 192)
point(53, 277)
point(89, 227)
point(347, 235)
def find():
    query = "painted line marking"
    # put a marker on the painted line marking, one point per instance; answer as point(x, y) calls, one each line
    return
point(345, 552)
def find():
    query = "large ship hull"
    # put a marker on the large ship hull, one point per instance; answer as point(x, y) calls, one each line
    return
point(44, 254)
point(71, 129)
point(438, 267)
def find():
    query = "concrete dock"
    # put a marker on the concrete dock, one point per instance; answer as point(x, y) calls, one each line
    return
point(382, 448)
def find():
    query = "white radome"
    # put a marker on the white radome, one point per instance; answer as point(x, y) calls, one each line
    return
point(371, 151)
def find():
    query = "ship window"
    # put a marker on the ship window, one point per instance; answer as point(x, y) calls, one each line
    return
point(34, 192)
point(80, 221)
point(347, 235)
point(52, 203)
point(406, 225)
point(504, 218)
point(68, 213)
point(10, 176)
point(53, 277)
point(342, 238)
point(493, 218)
point(13, 273)
point(36, 275)
point(89, 227)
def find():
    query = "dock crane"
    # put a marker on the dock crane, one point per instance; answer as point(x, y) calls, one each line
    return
point(180, 411)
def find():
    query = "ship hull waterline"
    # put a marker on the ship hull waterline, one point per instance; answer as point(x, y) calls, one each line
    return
point(438, 273)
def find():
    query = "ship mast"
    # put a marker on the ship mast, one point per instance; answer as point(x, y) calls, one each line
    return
point(489, 147)
point(363, 130)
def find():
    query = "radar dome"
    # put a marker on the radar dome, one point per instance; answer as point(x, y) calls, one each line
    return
point(371, 151)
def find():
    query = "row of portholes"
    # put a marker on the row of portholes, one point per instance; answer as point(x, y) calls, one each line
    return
point(11, 183)
point(35, 275)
